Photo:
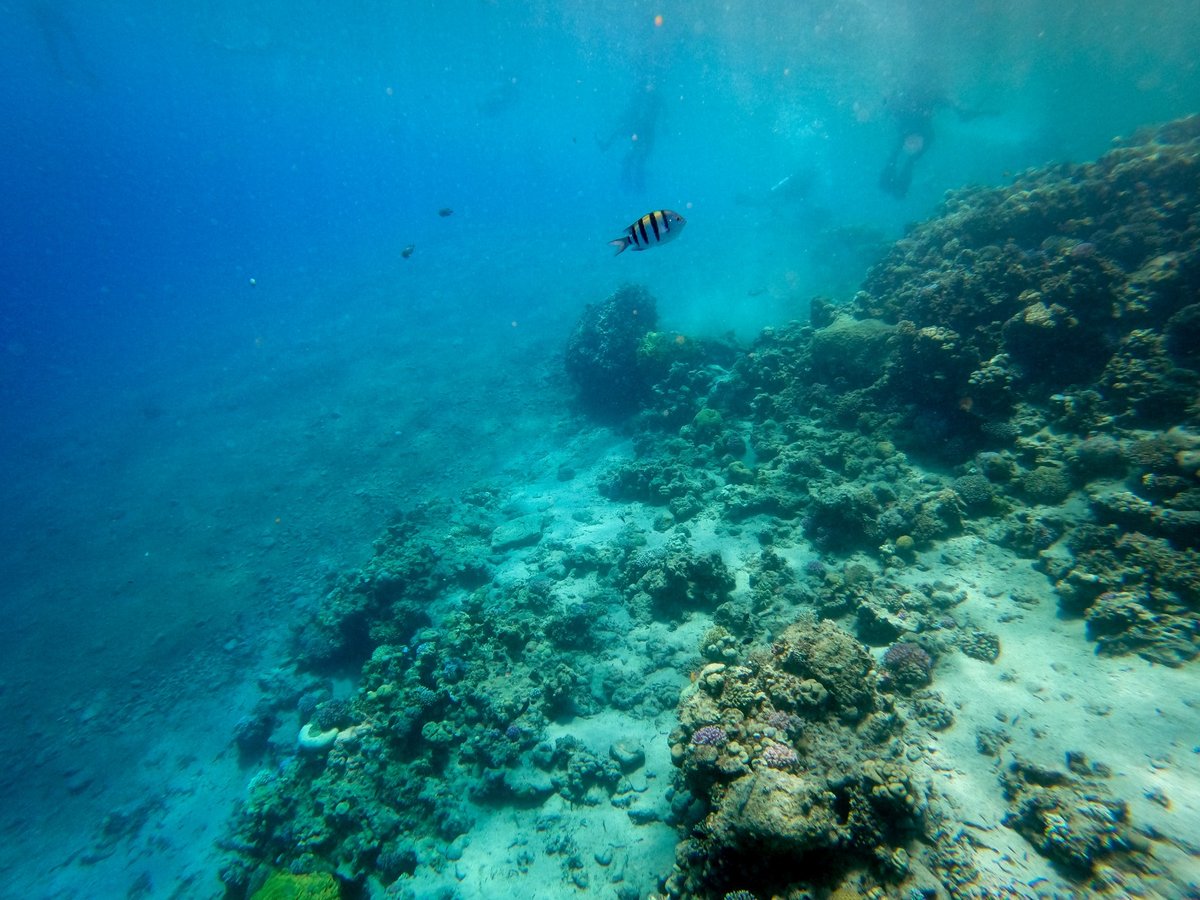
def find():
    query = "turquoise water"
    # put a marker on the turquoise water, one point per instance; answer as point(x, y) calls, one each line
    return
point(223, 377)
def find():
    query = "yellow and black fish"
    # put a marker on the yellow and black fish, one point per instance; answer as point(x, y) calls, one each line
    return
point(651, 230)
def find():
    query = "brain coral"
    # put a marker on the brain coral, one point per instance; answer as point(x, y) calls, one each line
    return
point(1046, 484)
point(975, 491)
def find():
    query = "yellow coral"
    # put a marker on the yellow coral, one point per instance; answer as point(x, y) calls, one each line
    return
point(286, 886)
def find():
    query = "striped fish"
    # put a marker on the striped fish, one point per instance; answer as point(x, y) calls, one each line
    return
point(650, 230)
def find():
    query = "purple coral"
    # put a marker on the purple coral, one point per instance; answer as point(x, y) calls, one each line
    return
point(710, 736)
point(780, 756)
point(785, 722)
point(907, 665)
point(816, 568)
point(905, 654)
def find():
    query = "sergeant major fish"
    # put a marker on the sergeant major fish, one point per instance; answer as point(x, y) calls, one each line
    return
point(650, 230)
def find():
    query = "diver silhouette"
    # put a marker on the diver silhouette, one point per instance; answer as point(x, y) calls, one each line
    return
point(636, 126)
point(62, 44)
point(912, 110)
point(791, 190)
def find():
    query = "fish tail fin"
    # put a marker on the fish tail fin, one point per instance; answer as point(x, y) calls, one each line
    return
point(620, 243)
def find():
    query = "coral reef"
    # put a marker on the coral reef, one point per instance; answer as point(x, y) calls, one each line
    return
point(907, 666)
point(850, 351)
point(673, 579)
point(389, 593)
point(1139, 594)
point(605, 352)
point(252, 732)
point(1070, 819)
point(952, 354)
point(793, 793)
point(451, 706)
point(1097, 257)
point(848, 453)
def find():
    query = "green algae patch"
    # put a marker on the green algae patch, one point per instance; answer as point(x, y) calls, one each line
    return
point(286, 886)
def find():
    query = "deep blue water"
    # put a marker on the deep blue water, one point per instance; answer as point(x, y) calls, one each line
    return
point(204, 210)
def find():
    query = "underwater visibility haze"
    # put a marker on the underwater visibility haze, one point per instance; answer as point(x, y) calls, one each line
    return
point(372, 529)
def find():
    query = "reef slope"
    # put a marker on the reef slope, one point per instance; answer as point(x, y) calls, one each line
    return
point(897, 602)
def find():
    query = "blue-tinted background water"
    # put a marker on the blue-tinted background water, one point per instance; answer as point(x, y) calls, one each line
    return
point(153, 152)
point(218, 373)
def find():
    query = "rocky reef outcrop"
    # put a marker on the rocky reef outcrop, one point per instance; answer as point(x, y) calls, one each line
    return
point(459, 673)
point(803, 771)
point(1075, 276)
point(1033, 341)
point(602, 356)
point(1070, 817)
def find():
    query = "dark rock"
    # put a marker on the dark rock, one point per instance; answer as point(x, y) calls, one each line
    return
point(602, 352)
